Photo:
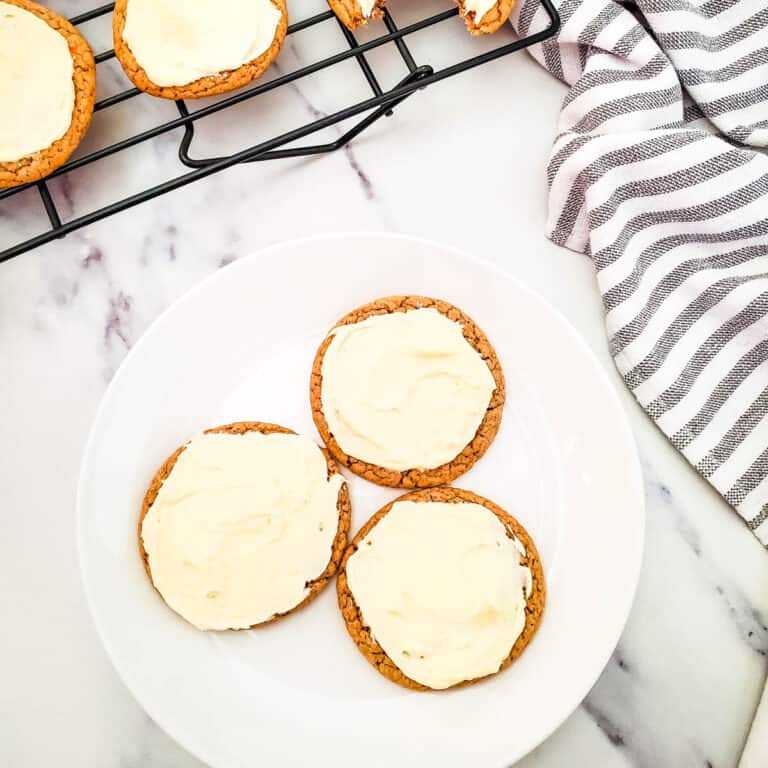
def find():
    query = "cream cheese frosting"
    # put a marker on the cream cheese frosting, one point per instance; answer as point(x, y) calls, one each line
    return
point(37, 90)
point(404, 390)
point(177, 43)
point(367, 6)
point(240, 526)
point(479, 8)
point(442, 589)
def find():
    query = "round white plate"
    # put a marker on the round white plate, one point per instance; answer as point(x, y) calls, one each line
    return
point(240, 347)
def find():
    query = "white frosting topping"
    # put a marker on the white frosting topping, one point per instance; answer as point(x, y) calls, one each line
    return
point(404, 390)
point(177, 43)
point(367, 6)
point(239, 527)
point(442, 589)
point(479, 8)
point(37, 92)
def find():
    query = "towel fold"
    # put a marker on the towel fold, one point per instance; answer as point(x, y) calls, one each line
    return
point(657, 175)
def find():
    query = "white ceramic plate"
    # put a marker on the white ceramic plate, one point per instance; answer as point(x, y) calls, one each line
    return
point(295, 693)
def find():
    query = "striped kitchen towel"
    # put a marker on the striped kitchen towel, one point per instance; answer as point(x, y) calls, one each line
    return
point(657, 175)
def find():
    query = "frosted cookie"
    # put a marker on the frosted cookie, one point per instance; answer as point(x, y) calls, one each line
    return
point(242, 525)
point(357, 13)
point(407, 392)
point(47, 91)
point(481, 16)
point(441, 588)
point(185, 50)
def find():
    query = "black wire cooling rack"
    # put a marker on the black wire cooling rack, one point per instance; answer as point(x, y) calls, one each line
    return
point(378, 105)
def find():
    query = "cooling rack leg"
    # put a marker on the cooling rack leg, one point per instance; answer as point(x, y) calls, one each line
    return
point(314, 149)
point(189, 134)
point(50, 206)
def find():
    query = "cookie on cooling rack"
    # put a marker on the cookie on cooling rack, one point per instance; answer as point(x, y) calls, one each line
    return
point(441, 588)
point(195, 48)
point(357, 13)
point(481, 16)
point(47, 91)
point(244, 524)
point(407, 392)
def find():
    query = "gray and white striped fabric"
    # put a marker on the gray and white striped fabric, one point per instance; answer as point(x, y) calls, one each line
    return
point(657, 175)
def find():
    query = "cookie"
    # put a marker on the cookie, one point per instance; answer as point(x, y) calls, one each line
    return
point(466, 454)
point(490, 21)
point(361, 632)
point(35, 165)
point(342, 514)
point(353, 14)
point(356, 13)
point(208, 85)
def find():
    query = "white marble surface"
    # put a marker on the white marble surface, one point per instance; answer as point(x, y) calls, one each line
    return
point(462, 162)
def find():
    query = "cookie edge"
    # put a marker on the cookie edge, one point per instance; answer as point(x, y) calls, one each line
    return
point(350, 14)
point(492, 20)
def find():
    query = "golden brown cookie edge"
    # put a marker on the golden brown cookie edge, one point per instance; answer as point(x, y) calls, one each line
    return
point(361, 634)
point(205, 86)
point(40, 164)
point(486, 432)
point(343, 506)
point(491, 21)
point(350, 14)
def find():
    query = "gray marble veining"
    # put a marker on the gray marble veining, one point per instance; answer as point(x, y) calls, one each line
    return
point(462, 163)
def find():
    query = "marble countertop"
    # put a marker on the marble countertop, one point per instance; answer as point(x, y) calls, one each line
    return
point(463, 163)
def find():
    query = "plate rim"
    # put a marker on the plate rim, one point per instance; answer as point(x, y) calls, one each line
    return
point(624, 425)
